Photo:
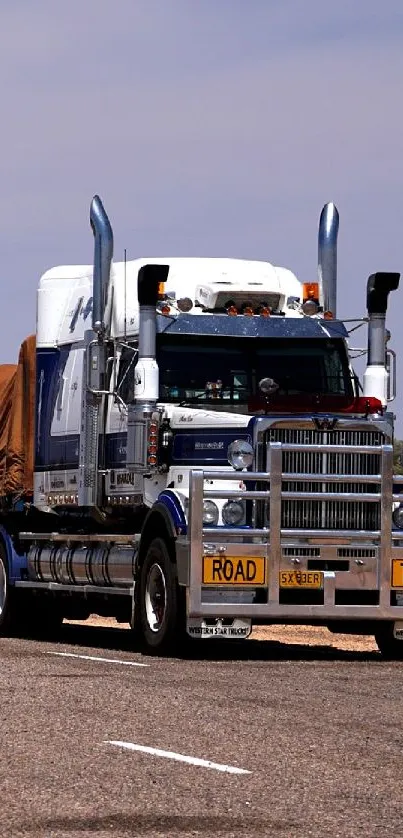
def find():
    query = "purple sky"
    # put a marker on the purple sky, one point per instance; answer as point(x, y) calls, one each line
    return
point(208, 127)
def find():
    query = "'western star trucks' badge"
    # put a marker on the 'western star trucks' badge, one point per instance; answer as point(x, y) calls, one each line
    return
point(238, 629)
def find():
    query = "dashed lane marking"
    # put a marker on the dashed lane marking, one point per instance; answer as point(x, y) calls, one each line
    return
point(94, 658)
point(203, 763)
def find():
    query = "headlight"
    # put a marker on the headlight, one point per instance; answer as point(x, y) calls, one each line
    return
point(210, 512)
point(397, 516)
point(240, 454)
point(233, 512)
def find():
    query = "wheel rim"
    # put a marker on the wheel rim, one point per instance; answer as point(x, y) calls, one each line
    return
point(3, 587)
point(155, 597)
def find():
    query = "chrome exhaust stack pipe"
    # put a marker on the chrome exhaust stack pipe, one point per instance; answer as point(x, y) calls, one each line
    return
point(375, 380)
point(90, 459)
point(103, 254)
point(327, 257)
point(143, 419)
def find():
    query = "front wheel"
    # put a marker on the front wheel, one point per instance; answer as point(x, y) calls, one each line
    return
point(390, 647)
point(160, 607)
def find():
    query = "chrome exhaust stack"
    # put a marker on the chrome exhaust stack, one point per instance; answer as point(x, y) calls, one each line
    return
point(143, 419)
point(375, 380)
point(327, 257)
point(94, 370)
point(103, 254)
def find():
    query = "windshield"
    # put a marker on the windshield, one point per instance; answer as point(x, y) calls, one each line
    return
point(194, 368)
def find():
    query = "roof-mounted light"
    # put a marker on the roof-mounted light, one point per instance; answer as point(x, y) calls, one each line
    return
point(185, 304)
point(264, 311)
point(164, 308)
point(310, 307)
point(231, 310)
point(310, 298)
point(310, 291)
point(247, 310)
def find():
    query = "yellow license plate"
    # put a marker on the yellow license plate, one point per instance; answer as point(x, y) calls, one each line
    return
point(397, 573)
point(301, 579)
point(234, 570)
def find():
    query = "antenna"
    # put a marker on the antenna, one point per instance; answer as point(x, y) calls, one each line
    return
point(125, 260)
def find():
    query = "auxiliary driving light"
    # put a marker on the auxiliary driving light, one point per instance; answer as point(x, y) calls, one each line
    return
point(240, 454)
point(397, 516)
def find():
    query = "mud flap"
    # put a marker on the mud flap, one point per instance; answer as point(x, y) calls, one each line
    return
point(236, 629)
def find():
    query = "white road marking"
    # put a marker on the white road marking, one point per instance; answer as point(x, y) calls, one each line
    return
point(93, 658)
point(204, 763)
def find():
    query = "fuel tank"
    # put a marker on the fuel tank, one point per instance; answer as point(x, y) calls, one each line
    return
point(107, 565)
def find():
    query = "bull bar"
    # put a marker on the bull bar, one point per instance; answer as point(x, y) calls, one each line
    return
point(272, 542)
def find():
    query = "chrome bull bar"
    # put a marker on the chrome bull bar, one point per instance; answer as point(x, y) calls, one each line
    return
point(272, 541)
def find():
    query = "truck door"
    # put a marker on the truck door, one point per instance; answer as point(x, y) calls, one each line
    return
point(65, 426)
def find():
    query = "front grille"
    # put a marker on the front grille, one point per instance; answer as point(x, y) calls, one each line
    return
point(330, 515)
point(357, 552)
point(301, 552)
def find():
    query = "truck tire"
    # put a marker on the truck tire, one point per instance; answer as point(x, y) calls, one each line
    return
point(160, 607)
point(389, 647)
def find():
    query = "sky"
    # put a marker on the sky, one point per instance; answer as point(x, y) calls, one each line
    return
point(209, 128)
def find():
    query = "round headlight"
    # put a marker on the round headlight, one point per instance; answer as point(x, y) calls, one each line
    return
point(397, 516)
point(210, 512)
point(240, 454)
point(233, 512)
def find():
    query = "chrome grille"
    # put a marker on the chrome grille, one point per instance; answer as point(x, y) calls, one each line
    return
point(331, 515)
point(357, 553)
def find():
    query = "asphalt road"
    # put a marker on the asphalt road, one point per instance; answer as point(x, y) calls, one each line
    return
point(318, 728)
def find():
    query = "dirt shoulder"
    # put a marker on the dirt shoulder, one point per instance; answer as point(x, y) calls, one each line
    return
point(304, 635)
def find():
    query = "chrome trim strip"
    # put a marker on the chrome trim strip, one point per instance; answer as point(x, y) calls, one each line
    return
point(274, 463)
point(56, 587)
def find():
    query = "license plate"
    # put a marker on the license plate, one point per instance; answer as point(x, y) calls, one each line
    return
point(234, 570)
point(301, 579)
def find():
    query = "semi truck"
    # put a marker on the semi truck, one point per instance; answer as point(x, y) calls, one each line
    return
point(185, 446)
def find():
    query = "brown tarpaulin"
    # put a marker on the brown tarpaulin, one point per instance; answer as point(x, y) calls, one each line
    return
point(17, 416)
